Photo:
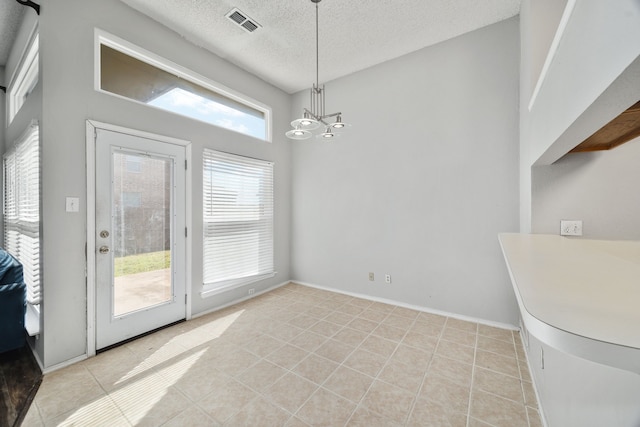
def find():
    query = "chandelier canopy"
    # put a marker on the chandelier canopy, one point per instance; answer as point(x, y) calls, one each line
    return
point(314, 117)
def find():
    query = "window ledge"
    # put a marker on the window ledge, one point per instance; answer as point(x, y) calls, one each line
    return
point(216, 291)
point(32, 321)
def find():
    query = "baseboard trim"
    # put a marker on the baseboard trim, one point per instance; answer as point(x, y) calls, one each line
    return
point(35, 355)
point(413, 307)
point(64, 364)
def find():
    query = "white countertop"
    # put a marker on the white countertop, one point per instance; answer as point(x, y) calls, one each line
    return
point(589, 288)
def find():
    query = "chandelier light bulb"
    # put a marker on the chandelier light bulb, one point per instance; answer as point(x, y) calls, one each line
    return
point(298, 134)
point(328, 134)
point(306, 123)
point(339, 124)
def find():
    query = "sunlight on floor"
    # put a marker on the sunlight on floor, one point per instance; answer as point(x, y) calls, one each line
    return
point(190, 339)
point(283, 358)
point(142, 389)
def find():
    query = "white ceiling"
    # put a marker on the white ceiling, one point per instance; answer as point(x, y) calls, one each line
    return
point(354, 34)
point(10, 15)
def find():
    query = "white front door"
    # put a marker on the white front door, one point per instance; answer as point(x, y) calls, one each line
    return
point(140, 235)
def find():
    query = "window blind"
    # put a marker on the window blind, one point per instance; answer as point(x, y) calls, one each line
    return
point(238, 219)
point(22, 208)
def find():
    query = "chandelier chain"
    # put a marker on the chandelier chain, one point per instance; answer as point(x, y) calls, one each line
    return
point(314, 117)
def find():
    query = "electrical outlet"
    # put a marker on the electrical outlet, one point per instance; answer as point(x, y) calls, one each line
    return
point(571, 228)
point(252, 291)
point(387, 278)
point(371, 277)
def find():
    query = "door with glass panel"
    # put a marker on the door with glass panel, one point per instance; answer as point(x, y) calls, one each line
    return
point(140, 235)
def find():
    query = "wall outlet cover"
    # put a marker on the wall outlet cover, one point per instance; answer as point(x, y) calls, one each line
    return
point(571, 227)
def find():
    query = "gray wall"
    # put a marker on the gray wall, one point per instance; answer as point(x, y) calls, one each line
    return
point(599, 188)
point(592, 79)
point(546, 15)
point(594, 187)
point(538, 25)
point(422, 183)
point(67, 55)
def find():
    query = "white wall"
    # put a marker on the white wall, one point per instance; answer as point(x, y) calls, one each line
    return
point(599, 188)
point(421, 184)
point(67, 54)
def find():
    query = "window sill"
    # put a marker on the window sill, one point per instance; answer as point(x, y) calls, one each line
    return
point(206, 293)
point(32, 321)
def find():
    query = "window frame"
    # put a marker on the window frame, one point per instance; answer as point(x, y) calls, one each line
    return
point(264, 221)
point(130, 49)
point(25, 77)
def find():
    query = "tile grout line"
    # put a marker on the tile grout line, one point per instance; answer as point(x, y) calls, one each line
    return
point(321, 385)
point(307, 299)
point(524, 396)
point(386, 363)
point(426, 371)
point(473, 374)
point(369, 334)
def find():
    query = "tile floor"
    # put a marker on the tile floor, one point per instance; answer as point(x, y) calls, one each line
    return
point(300, 356)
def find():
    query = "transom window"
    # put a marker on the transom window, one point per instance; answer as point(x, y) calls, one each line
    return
point(140, 76)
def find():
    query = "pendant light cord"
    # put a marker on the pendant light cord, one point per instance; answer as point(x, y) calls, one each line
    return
point(317, 50)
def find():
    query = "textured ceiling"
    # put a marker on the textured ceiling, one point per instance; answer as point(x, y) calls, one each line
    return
point(10, 16)
point(354, 34)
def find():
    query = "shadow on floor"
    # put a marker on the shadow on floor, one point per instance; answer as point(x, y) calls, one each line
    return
point(20, 377)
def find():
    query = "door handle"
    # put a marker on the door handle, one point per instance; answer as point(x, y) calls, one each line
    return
point(104, 249)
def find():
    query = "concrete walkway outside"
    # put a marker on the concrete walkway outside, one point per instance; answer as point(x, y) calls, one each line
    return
point(141, 290)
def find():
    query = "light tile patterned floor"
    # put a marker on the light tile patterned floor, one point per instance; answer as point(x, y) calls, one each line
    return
point(300, 356)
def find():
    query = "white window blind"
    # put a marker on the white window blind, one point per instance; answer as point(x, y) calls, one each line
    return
point(22, 208)
point(238, 220)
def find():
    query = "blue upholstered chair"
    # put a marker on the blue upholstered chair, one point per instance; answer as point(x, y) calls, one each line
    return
point(12, 303)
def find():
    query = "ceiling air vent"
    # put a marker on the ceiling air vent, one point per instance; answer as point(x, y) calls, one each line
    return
point(242, 20)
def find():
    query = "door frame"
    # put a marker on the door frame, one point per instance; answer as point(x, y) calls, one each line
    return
point(91, 130)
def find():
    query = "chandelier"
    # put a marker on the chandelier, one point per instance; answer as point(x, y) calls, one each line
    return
point(314, 117)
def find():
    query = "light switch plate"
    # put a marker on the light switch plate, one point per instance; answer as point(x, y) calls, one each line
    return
point(73, 204)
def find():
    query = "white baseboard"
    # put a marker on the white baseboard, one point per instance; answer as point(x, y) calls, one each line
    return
point(64, 364)
point(414, 307)
point(35, 355)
